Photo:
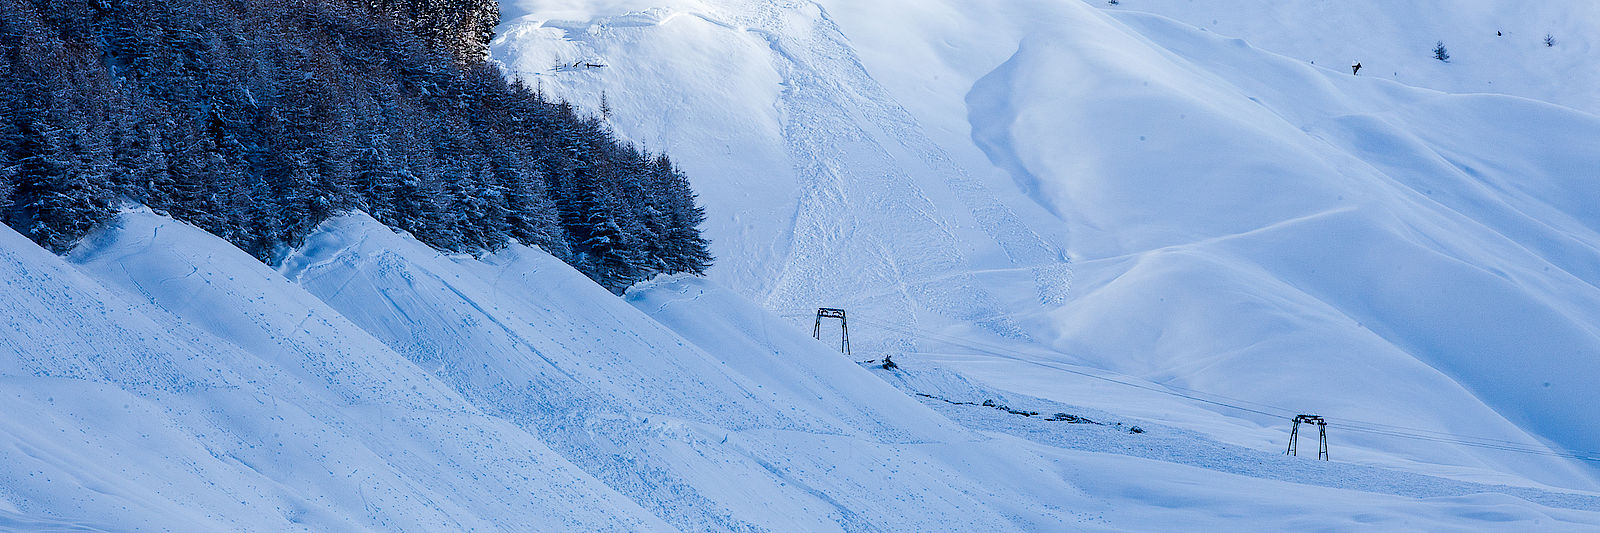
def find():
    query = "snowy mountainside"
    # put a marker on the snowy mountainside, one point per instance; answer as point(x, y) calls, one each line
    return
point(293, 417)
point(691, 436)
point(1495, 47)
point(160, 388)
point(1063, 221)
point(167, 380)
point(1119, 191)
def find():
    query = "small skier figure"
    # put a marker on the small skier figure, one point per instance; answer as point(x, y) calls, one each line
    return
point(1355, 68)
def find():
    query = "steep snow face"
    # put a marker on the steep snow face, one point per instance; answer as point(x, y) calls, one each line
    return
point(1072, 186)
point(176, 383)
point(820, 183)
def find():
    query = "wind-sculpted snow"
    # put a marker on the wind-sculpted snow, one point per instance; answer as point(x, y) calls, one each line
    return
point(1070, 184)
point(704, 441)
point(182, 385)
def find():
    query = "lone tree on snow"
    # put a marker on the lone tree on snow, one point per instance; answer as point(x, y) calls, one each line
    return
point(1440, 53)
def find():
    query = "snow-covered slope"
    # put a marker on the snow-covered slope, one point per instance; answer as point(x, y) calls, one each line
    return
point(1117, 191)
point(165, 380)
point(1037, 207)
point(1494, 46)
point(743, 439)
point(179, 384)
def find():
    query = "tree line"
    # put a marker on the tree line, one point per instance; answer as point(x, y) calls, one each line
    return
point(256, 120)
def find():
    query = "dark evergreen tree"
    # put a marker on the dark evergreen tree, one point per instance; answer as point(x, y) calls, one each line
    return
point(462, 27)
point(256, 121)
point(684, 249)
point(57, 164)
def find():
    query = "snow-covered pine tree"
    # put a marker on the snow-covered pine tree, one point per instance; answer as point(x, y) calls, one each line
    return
point(244, 120)
point(375, 179)
point(461, 27)
point(684, 249)
point(58, 160)
point(52, 201)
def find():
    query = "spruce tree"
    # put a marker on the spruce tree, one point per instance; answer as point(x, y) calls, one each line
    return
point(257, 121)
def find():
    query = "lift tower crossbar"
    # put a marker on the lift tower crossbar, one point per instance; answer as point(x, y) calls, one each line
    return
point(1322, 435)
point(844, 327)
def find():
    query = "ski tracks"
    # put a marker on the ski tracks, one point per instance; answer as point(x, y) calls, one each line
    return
point(865, 224)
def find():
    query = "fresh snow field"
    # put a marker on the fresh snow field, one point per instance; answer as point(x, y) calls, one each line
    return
point(1111, 249)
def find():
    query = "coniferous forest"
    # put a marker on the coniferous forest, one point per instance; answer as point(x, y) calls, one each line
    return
point(258, 119)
